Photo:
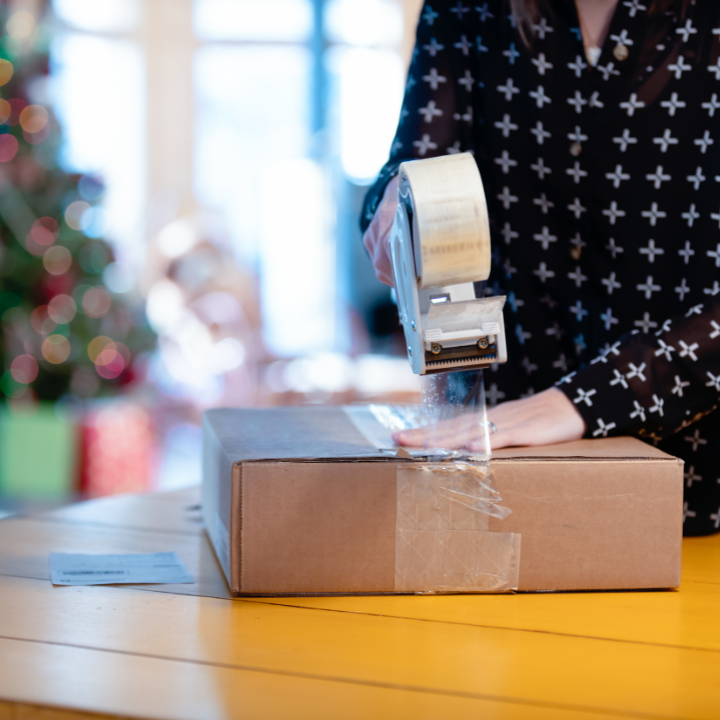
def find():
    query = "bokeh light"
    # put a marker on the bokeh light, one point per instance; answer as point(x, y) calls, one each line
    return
point(96, 302)
point(56, 349)
point(39, 320)
point(107, 355)
point(5, 110)
point(33, 118)
point(228, 354)
point(39, 137)
point(177, 238)
point(105, 350)
point(118, 277)
point(32, 246)
point(6, 72)
point(10, 47)
point(57, 260)
point(20, 25)
point(165, 306)
point(8, 147)
point(90, 188)
point(218, 307)
point(112, 365)
point(111, 359)
point(77, 216)
point(96, 220)
point(45, 230)
point(24, 369)
point(62, 309)
point(98, 345)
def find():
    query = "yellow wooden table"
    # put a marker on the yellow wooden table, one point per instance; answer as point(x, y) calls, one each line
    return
point(189, 651)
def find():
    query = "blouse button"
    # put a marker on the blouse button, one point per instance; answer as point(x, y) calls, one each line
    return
point(621, 52)
point(575, 149)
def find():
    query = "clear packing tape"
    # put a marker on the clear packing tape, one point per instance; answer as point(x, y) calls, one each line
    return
point(445, 500)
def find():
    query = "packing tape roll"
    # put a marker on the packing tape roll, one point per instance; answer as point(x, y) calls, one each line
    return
point(451, 230)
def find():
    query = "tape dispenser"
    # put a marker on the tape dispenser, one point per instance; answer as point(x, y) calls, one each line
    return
point(440, 248)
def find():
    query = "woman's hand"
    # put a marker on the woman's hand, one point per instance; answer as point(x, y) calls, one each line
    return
point(377, 235)
point(543, 419)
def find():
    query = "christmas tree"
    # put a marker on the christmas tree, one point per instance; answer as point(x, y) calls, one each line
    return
point(63, 332)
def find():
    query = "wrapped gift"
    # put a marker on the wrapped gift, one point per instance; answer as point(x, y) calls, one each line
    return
point(117, 450)
point(38, 452)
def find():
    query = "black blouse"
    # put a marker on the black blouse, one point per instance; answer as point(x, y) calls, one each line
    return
point(603, 187)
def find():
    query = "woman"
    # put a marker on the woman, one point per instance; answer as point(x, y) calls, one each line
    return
point(596, 129)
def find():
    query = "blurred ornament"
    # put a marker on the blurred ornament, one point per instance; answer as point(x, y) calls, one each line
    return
point(45, 230)
point(6, 72)
point(177, 238)
point(96, 302)
point(33, 118)
point(57, 260)
point(76, 215)
point(98, 345)
point(20, 25)
point(8, 147)
point(56, 349)
point(24, 369)
point(38, 319)
point(62, 309)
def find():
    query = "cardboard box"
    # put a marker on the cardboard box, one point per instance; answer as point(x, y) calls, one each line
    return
point(297, 502)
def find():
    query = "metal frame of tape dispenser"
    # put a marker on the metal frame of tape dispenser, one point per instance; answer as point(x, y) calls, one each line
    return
point(439, 247)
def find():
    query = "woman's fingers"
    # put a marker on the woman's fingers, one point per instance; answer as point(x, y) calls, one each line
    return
point(450, 434)
point(377, 235)
point(543, 419)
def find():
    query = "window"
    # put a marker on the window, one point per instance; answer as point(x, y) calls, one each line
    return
point(267, 116)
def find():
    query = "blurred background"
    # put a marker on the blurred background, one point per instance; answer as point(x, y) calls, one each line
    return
point(180, 185)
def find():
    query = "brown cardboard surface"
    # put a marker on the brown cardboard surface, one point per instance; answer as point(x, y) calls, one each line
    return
point(594, 525)
point(310, 507)
point(619, 447)
point(335, 523)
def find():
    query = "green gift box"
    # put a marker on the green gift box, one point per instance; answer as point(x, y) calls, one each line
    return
point(38, 452)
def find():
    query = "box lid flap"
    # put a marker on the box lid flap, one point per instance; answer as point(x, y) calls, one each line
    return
point(290, 433)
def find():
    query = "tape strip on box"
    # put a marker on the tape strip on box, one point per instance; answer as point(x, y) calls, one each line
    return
point(442, 541)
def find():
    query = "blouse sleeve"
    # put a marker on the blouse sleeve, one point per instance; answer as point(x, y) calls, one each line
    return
point(652, 385)
point(437, 111)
